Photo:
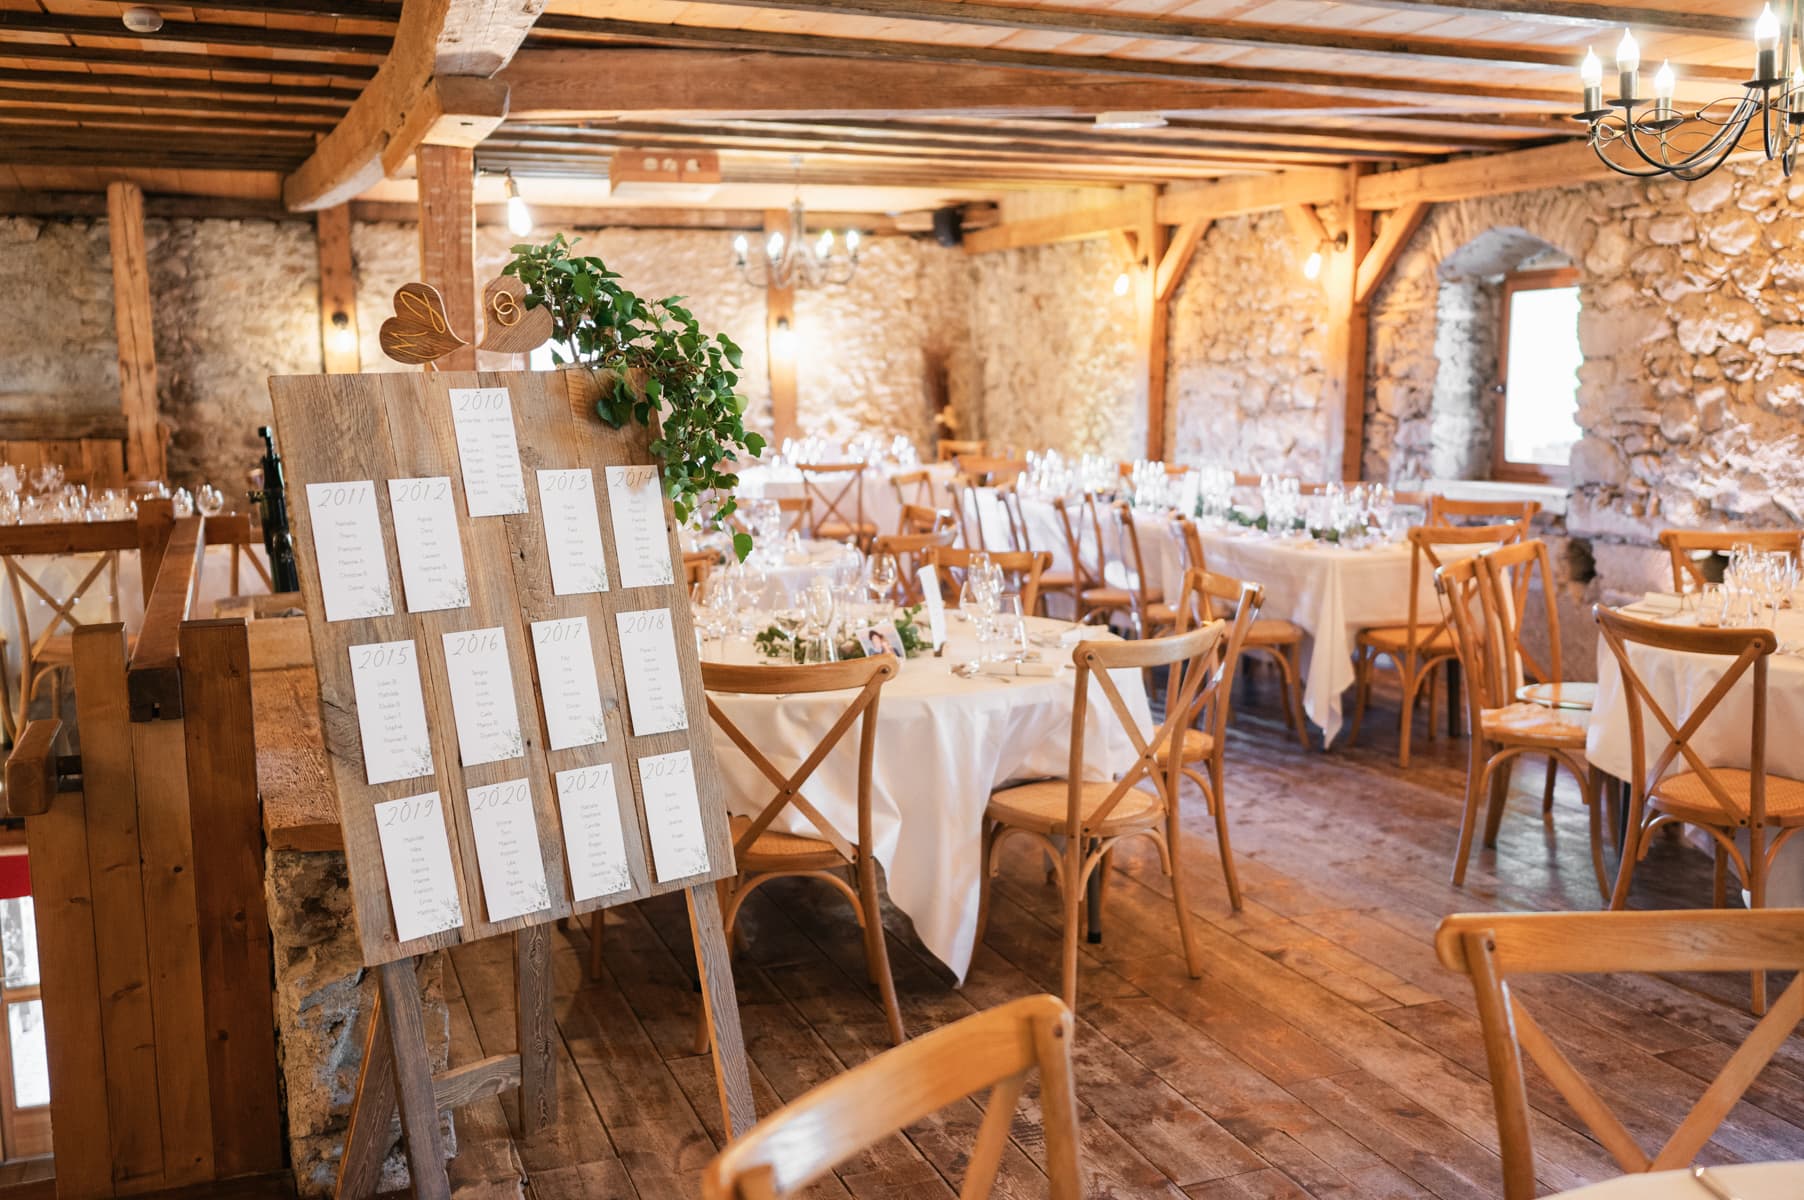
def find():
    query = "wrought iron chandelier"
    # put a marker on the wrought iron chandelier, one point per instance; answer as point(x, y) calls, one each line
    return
point(790, 259)
point(1635, 136)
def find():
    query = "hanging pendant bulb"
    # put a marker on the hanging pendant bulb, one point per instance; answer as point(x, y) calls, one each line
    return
point(519, 217)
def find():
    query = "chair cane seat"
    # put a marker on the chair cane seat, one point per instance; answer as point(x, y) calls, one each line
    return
point(1107, 597)
point(1273, 631)
point(1197, 746)
point(1578, 697)
point(775, 850)
point(1057, 581)
point(1041, 807)
point(1400, 637)
point(1159, 614)
point(1686, 796)
point(1523, 723)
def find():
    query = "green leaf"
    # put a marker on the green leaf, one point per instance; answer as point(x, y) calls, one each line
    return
point(742, 545)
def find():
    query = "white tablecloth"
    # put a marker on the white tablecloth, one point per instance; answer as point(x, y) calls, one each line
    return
point(882, 507)
point(787, 573)
point(1748, 1181)
point(943, 745)
point(1679, 682)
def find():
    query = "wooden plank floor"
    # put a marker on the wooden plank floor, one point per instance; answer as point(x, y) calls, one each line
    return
point(1323, 1053)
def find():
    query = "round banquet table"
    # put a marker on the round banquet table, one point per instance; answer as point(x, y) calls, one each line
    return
point(882, 507)
point(1746, 1181)
point(1679, 681)
point(787, 573)
point(944, 743)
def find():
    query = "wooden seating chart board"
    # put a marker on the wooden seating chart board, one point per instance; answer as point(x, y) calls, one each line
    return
point(381, 428)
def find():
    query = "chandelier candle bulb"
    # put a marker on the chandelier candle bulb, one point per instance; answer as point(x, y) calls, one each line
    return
point(1591, 75)
point(1628, 68)
point(852, 243)
point(1766, 47)
point(824, 247)
point(740, 246)
point(1664, 83)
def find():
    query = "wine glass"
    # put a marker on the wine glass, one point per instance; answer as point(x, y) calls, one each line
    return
point(210, 500)
point(45, 477)
point(881, 576)
point(817, 619)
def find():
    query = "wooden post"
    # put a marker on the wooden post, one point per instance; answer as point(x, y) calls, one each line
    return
point(337, 292)
point(131, 323)
point(779, 341)
point(1344, 399)
point(447, 179)
point(1151, 317)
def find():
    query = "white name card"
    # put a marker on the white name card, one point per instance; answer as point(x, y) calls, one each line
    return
point(347, 545)
point(572, 531)
point(507, 849)
point(487, 451)
point(432, 556)
point(673, 814)
point(593, 840)
point(567, 682)
point(482, 696)
point(416, 857)
point(636, 500)
point(654, 686)
point(936, 603)
point(391, 712)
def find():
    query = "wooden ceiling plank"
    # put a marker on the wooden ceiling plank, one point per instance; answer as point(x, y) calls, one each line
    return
point(556, 24)
point(193, 33)
point(435, 39)
point(104, 56)
point(1084, 24)
point(77, 101)
point(1235, 197)
point(1591, 16)
point(298, 99)
point(1061, 227)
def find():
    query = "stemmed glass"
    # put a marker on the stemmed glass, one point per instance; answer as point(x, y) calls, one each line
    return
point(817, 621)
point(210, 500)
point(45, 477)
point(881, 575)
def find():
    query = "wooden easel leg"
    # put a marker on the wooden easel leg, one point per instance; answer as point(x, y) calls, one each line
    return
point(366, 1138)
point(537, 1028)
point(413, 1080)
point(720, 1004)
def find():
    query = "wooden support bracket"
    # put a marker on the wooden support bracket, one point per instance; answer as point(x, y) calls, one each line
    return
point(33, 773)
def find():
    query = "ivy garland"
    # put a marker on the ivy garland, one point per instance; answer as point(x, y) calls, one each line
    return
point(684, 378)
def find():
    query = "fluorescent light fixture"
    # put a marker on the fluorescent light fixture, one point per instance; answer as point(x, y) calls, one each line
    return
point(1130, 120)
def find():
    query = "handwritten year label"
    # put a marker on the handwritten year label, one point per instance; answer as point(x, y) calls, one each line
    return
point(391, 712)
point(572, 531)
point(673, 815)
point(482, 696)
point(487, 451)
point(568, 683)
point(347, 545)
point(593, 838)
point(507, 850)
point(641, 543)
point(654, 685)
point(416, 858)
point(432, 555)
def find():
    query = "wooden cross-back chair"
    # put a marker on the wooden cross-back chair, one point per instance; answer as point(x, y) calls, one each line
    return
point(996, 1050)
point(1278, 640)
point(989, 515)
point(986, 469)
point(1078, 820)
point(835, 492)
point(913, 489)
point(1095, 596)
point(47, 649)
point(1493, 948)
point(1721, 801)
point(1503, 727)
point(1020, 569)
point(922, 518)
point(950, 449)
point(912, 551)
point(764, 853)
point(697, 566)
point(1205, 735)
point(1445, 510)
point(1153, 613)
point(1685, 547)
point(1421, 646)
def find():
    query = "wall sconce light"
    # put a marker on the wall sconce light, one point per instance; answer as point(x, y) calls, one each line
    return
point(342, 339)
point(1122, 284)
point(783, 339)
point(1312, 266)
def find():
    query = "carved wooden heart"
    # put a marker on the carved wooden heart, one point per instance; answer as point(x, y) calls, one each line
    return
point(419, 331)
point(509, 327)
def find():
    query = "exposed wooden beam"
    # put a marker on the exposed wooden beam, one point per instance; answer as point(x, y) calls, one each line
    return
point(91, 204)
point(1152, 315)
point(980, 56)
point(336, 10)
point(448, 242)
point(436, 39)
point(676, 84)
point(107, 56)
point(1558, 165)
point(603, 216)
point(1179, 251)
point(780, 343)
point(1376, 266)
point(194, 33)
point(1349, 329)
point(1061, 227)
point(128, 84)
point(132, 327)
point(1190, 31)
point(1234, 197)
point(337, 292)
point(1572, 12)
point(1306, 223)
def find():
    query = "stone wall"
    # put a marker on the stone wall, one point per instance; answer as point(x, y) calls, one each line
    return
point(57, 352)
point(1057, 351)
point(1244, 372)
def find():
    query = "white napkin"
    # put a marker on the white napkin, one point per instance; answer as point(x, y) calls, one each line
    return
point(1042, 670)
point(1083, 633)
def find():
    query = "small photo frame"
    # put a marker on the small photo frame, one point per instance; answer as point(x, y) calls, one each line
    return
point(882, 638)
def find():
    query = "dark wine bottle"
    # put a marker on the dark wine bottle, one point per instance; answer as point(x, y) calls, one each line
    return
point(272, 507)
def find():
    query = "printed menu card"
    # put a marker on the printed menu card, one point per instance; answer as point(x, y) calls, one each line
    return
point(391, 713)
point(568, 684)
point(592, 837)
point(482, 696)
point(507, 849)
point(487, 451)
point(347, 544)
point(673, 814)
point(416, 857)
point(572, 531)
point(432, 556)
point(654, 686)
point(640, 540)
